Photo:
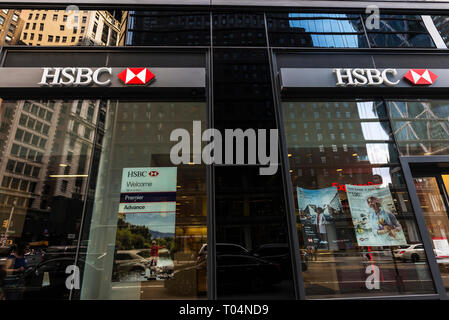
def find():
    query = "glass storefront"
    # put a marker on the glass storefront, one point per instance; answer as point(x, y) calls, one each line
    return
point(352, 207)
point(92, 200)
point(155, 247)
point(47, 150)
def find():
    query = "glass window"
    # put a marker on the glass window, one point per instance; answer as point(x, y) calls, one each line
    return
point(431, 188)
point(239, 29)
point(56, 28)
point(165, 28)
point(420, 127)
point(353, 211)
point(442, 25)
point(250, 208)
point(169, 225)
point(30, 223)
point(326, 30)
point(400, 31)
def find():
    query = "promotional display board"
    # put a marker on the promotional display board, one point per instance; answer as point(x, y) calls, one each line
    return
point(374, 216)
point(146, 227)
point(441, 247)
point(317, 212)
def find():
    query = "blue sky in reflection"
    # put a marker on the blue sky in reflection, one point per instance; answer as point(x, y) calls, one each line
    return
point(326, 23)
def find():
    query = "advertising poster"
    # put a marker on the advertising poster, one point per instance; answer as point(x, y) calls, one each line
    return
point(317, 211)
point(374, 216)
point(441, 247)
point(146, 226)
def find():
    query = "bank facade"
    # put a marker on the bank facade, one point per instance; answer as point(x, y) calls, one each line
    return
point(357, 208)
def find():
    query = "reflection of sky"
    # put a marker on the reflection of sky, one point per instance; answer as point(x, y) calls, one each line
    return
point(378, 153)
point(366, 110)
point(374, 131)
point(327, 23)
point(385, 174)
point(162, 222)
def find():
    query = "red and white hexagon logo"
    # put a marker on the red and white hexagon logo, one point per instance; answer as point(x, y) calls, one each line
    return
point(137, 76)
point(421, 76)
point(153, 173)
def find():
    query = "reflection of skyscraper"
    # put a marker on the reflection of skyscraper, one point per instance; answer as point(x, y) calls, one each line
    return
point(10, 26)
point(60, 27)
point(442, 24)
point(33, 174)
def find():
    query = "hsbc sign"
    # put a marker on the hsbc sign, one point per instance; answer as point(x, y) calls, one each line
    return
point(75, 77)
point(107, 78)
point(361, 77)
point(376, 77)
point(87, 76)
point(297, 78)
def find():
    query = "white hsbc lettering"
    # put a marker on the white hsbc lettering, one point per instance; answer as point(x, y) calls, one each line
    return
point(75, 76)
point(361, 77)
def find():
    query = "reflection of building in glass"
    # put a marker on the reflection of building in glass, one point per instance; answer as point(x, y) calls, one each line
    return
point(46, 147)
point(60, 27)
point(239, 29)
point(401, 31)
point(338, 143)
point(168, 27)
point(420, 127)
point(142, 139)
point(442, 24)
point(10, 26)
point(317, 30)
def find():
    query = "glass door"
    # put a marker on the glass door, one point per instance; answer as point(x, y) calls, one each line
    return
point(432, 191)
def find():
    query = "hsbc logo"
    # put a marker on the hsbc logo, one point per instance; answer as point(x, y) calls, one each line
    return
point(153, 173)
point(375, 77)
point(83, 77)
point(361, 77)
point(136, 76)
point(420, 76)
point(75, 76)
point(137, 174)
point(142, 173)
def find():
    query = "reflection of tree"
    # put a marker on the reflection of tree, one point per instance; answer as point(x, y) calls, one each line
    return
point(130, 236)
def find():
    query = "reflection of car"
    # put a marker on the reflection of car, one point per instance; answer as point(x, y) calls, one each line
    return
point(414, 253)
point(280, 253)
point(33, 259)
point(47, 280)
point(54, 252)
point(128, 263)
point(246, 271)
point(398, 253)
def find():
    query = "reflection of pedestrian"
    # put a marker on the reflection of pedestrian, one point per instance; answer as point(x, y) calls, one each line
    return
point(15, 268)
point(2, 277)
